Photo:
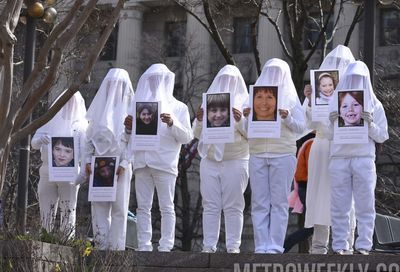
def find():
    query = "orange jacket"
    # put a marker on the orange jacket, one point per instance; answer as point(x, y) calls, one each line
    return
point(301, 174)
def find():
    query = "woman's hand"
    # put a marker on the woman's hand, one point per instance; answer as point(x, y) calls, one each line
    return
point(128, 122)
point(283, 113)
point(166, 118)
point(237, 114)
point(88, 169)
point(246, 112)
point(120, 170)
point(307, 93)
point(199, 114)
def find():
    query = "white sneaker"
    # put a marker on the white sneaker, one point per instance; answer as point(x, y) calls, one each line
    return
point(362, 251)
point(342, 252)
point(145, 249)
point(233, 250)
point(163, 249)
point(208, 250)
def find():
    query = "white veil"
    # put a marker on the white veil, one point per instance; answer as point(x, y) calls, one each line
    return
point(356, 77)
point(108, 110)
point(277, 72)
point(69, 118)
point(157, 84)
point(229, 79)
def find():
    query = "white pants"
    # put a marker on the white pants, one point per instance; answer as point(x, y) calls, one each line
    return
point(222, 187)
point(320, 238)
point(146, 179)
point(53, 195)
point(270, 180)
point(109, 219)
point(352, 177)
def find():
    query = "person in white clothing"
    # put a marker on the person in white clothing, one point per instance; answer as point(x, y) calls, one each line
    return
point(106, 137)
point(68, 122)
point(224, 168)
point(159, 169)
point(352, 167)
point(318, 198)
point(273, 161)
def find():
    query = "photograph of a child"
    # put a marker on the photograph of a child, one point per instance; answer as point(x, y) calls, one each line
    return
point(104, 172)
point(146, 118)
point(62, 151)
point(350, 104)
point(265, 103)
point(325, 84)
point(218, 110)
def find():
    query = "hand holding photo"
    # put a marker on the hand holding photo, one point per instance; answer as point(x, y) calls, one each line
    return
point(349, 125)
point(62, 158)
point(264, 116)
point(218, 120)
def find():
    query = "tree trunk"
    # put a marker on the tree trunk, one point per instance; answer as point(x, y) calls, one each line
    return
point(298, 75)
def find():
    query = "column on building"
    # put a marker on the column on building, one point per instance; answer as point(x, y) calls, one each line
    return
point(129, 39)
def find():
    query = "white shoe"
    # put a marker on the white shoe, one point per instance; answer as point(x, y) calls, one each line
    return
point(362, 251)
point(208, 250)
point(163, 249)
point(233, 250)
point(342, 252)
point(145, 249)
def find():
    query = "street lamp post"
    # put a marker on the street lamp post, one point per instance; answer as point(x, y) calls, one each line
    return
point(35, 10)
point(24, 149)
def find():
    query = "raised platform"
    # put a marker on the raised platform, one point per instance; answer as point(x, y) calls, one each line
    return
point(36, 256)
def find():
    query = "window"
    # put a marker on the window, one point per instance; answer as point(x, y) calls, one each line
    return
point(110, 48)
point(312, 31)
point(390, 27)
point(175, 38)
point(243, 42)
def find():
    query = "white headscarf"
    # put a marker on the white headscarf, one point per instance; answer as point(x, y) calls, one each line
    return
point(229, 79)
point(356, 77)
point(157, 84)
point(276, 72)
point(71, 117)
point(339, 58)
point(108, 110)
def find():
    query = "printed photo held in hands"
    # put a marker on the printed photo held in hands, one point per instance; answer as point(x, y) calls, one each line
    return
point(63, 151)
point(218, 110)
point(350, 108)
point(265, 103)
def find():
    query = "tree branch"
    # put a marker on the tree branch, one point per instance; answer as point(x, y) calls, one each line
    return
point(215, 34)
point(83, 75)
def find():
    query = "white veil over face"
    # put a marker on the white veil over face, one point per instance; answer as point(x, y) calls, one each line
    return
point(276, 72)
point(69, 118)
point(339, 58)
point(356, 77)
point(156, 84)
point(108, 110)
point(229, 79)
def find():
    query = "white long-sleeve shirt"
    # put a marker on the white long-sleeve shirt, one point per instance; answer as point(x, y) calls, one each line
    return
point(377, 132)
point(293, 125)
point(166, 159)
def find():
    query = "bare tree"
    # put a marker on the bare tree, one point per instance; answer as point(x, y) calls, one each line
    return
point(17, 105)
